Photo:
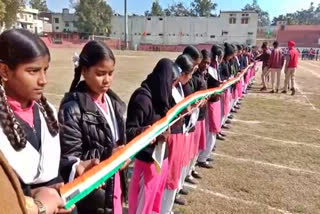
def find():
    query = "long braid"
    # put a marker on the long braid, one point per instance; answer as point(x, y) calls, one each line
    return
point(49, 116)
point(76, 79)
point(11, 127)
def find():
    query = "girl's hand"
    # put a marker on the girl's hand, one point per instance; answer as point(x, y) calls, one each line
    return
point(86, 165)
point(50, 199)
point(126, 164)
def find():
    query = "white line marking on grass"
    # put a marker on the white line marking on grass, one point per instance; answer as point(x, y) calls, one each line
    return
point(310, 71)
point(311, 64)
point(230, 198)
point(266, 164)
point(277, 140)
point(305, 96)
point(269, 123)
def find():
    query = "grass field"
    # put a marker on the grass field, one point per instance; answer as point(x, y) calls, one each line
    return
point(270, 162)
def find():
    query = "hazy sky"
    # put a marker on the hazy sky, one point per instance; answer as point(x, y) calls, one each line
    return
point(274, 7)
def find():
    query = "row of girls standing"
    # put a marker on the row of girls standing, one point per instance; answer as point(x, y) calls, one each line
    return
point(46, 149)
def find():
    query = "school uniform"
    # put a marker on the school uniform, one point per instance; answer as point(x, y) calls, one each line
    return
point(192, 146)
point(148, 104)
point(225, 73)
point(92, 129)
point(176, 145)
point(213, 115)
point(199, 83)
point(33, 164)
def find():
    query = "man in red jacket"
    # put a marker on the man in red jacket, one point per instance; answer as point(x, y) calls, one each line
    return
point(275, 65)
point(291, 66)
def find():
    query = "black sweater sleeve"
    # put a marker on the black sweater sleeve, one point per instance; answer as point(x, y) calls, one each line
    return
point(139, 117)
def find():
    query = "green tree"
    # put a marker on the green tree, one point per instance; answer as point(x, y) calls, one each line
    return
point(40, 5)
point(203, 7)
point(94, 17)
point(156, 9)
point(304, 17)
point(2, 10)
point(264, 19)
point(177, 9)
point(9, 10)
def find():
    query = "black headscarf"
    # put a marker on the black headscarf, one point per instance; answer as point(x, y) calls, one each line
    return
point(159, 83)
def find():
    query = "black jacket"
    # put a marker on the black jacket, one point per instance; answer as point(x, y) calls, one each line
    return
point(224, 71)
point(212, 83)
point(141, 113)
point(199, 83)
point(187, 90)
point(85, 133)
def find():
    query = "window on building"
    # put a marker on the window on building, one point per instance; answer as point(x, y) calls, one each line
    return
point(174, 34)
point(233, 14)
point(149, 18)
point(160, 19)
point(224, 33)
point(250, 33)
point(232, 21)
point(148, 34)
point(30, 15)
point(56, 20)
point(197, 35)
point(160, 34)
point(244, 20)
point(67, 24)
point(212, 36)
point(57, 28)
point(21, 16)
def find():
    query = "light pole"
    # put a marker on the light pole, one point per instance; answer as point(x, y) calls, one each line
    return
point(125, 25)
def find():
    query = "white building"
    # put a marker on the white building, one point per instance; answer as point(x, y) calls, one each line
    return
point(63, 22)
point(28, 19)
point(230, 26)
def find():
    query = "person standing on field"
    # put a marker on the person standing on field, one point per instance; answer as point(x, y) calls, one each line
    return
point(275, 66)
point(291, 66)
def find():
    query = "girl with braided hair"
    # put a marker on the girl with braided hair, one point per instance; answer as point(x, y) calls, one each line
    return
point(29, 131)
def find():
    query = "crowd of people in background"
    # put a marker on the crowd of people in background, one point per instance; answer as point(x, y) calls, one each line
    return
point(309, 54)
point(46, 148)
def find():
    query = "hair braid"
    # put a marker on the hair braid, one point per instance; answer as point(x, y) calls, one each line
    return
point(11, 127)
point(49, 116)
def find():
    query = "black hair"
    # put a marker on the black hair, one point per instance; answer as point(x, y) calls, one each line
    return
point(264, 45)
point(19, 46)
point(205, 54)
point(275, 44)
point(184, 61)
point(239, 47)
point(193, 52)
point(228, 50)
point(92, 53)
point(176, 71)
point(216, 50)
